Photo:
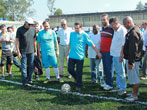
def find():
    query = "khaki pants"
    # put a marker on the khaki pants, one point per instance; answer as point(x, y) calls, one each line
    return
point(62, 55)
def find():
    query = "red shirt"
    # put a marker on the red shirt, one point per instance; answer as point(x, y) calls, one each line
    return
point(106, 39)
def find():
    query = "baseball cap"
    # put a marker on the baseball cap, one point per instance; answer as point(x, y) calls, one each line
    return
point(29, 20)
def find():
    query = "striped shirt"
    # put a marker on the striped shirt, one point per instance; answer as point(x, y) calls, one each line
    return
point(106, 39)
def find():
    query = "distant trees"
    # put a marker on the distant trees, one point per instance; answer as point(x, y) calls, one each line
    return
point(16, 10)
point(58, 12)
point(141, 6)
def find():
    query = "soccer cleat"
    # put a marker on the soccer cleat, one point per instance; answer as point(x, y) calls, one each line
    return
point(46, 81)
point(107, 87)
point(60, 80)
point(10, 75)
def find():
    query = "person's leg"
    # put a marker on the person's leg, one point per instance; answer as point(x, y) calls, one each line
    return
point(47, 71)
point(24, 68)
point(71, 67)
point(61, 60)
point(99, 66)
point(56, 70)
point(79, 71)
point(3, 58)
point(135, 90)
point(30, 64)
point(120, 71)
point(144, 69)
point(10, 62)
point(108, 63)
point(16, 63)
point(93, 70)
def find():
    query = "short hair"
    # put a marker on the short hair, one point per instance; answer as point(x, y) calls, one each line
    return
point(46, 21)
point(78, 24)
point(36, 23)
point(113, 20)
point(9, 28)
point(106, 15)
point(3, 25)
point(63, 20)
point(128, 19)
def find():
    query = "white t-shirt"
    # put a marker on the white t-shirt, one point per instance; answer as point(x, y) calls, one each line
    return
point(118, 41)
point(96, 39)
point(143, 37)
point(64, 36)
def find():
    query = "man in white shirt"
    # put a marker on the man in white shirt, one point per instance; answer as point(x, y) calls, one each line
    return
point(144, 69)
point(64, 37)
point(117, 44)
point(96, 66)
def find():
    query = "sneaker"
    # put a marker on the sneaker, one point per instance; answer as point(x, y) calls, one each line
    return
point(115, 89)
point(107, 87)
point(2, 77)
point(46, 81)
point(131, 99)
point(60, 80)
point(122, 92)
point(143, 78)
point(10, 75)
point(103, 85)
point(37, 77)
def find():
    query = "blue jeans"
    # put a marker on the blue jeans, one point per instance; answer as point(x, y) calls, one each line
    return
point(120, 73)
point(96, 68)
point(108, 64)
point(27, 67)
point(15, 61)
point(77, 74)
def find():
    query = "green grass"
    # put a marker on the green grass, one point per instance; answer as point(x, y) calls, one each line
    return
point(15, 97)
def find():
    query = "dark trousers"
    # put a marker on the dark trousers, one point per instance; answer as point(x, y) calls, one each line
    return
point(108, 70)
point(76, 74)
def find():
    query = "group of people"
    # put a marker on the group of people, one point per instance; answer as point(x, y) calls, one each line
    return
point(112, 47)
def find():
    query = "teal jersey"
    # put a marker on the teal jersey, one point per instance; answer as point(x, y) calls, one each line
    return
point(77, 43)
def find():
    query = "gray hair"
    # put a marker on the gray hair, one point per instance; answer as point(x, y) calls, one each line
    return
point(64, 20)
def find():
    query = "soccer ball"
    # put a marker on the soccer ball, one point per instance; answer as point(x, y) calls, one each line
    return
point(65, 88)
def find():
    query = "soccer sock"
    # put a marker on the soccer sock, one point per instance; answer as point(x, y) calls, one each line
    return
point(56, 70)
point(47, 71)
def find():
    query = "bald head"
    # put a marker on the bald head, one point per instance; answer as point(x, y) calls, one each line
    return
point(128, 22)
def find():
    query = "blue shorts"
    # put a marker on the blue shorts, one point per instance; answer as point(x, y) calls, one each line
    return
point(49, 59)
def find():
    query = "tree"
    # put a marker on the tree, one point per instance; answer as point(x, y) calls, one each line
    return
point(145, 6)
point(50, 5)
point(3, 11)
point(140, 6)
point(58, 12)
point(19, 9)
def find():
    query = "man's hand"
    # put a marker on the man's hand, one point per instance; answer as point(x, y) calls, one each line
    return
point(121, 58)
point(57, 53)
point(19, 55)
point(130, 67)
point(35, 53)
point(99, 55)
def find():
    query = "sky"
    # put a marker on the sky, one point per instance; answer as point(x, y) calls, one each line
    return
point(83, 6)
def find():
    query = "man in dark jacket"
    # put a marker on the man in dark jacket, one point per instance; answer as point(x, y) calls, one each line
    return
point(132, 53)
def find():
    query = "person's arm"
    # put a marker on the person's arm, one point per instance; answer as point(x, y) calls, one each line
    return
point(68, 51)
point(17, 48)
point(35, 47)
point(86, 50)
point(57, 46)
point(121, 55)
point(39, 50)
point(98, 53)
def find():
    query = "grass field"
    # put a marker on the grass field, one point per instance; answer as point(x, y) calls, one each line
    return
point(15, 97)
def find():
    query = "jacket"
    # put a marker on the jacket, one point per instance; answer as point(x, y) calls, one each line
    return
point(133, 45)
